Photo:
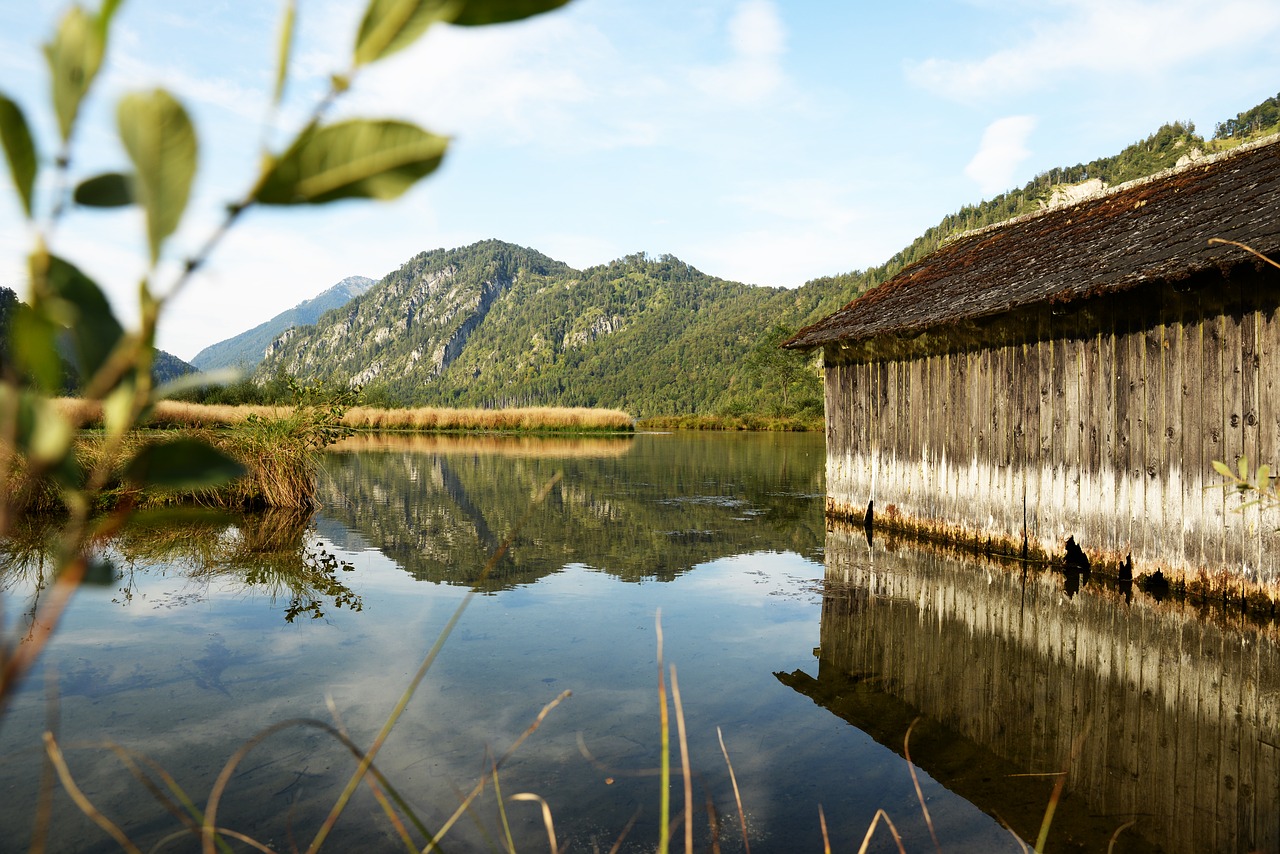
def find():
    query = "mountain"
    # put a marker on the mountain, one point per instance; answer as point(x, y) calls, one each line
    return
point(495, 324)
point(245, 350)
point(164, 366)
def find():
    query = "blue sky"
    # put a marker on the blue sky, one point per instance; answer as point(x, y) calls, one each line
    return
point(764, 141)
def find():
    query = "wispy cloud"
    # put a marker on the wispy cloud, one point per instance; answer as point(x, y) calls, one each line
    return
point(758, 41)
point(1001, 152)
point(554, 81)
point(1118, 37)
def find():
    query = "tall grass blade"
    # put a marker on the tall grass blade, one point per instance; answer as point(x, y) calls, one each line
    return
point(209, 830)
point(479, 787)
point(546, 817)
point(664, 775)
point(866, 840)
point(412, 687)
point(1058, 787)
point(826, 839)
point(617, 845)
point(1115, 837)
point(915, 781)
point(502, 811)
point(374, 788)
point(713, 821)
point(187, 813)
point(737, 796)
point(1013, 833)
point(86, 807)
point(684, 763)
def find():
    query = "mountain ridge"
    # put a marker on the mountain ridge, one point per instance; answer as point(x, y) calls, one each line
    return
point(495, 324)
point(246, 350)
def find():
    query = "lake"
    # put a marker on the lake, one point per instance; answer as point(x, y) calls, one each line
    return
point(811, 651)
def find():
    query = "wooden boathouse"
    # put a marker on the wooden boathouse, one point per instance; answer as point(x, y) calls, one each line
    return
point(1075, 373)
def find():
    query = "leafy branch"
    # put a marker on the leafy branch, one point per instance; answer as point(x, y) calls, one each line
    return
point(375, 159)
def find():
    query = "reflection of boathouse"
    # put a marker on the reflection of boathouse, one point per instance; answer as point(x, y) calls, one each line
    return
point(1162, 718)
point(1074, 373)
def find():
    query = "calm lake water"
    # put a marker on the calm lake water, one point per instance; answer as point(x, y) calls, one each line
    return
point(810, 650)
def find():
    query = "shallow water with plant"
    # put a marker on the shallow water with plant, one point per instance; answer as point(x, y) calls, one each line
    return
point(810, 650)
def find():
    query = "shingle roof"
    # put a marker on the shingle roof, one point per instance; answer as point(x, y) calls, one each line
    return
point(1157, 228)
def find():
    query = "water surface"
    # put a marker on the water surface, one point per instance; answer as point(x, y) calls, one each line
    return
point(809, 652)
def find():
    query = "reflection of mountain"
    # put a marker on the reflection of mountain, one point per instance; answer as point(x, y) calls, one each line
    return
point(1177, 720)
point(441, 515)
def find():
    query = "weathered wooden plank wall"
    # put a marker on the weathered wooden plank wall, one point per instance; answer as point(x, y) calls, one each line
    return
point(1173, 720)
point(1105, 433)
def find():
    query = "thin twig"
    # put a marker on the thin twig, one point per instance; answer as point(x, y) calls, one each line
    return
point(407, 695)
point(684, 763)
point(86, 807)
point(373, 783)
point(434, 843)
point(866, 840)
point(617, 845)
point(737, 796)
point(1115, 837)
point(1248, 249)
point(915, 781)
point(546, 817)
point(826, 839)
point(664, 761)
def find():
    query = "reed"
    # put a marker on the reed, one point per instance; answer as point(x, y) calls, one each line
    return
point(758, 423)
point(528, 418)
point(173, 413)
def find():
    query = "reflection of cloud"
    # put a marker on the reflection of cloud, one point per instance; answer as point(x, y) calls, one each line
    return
point(1116, 37)
point(758, 39)
point(1001, 152)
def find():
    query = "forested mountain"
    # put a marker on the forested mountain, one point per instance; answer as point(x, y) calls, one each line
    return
point(494, 324)
point(164, 367)
point(245, 350)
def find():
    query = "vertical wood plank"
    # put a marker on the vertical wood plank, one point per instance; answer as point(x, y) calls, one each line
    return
point(1171, 383)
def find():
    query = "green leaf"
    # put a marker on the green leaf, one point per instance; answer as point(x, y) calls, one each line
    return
point(161, 142)
point(105, 14)
point(110, 190)
point(33, 341)
point(94, 328)
point(392, 25)
point(74, 57)
point(284, 48)
point(480, 12)
point(1223, 469)
point(182, 464)
point(19, 150)
point(360, 158)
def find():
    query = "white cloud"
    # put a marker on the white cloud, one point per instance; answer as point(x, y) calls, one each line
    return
point(554, 81)
point(758, 39)
point(1001, 152)
point(1114, 37)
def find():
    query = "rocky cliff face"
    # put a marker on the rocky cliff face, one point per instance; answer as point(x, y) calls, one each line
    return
point(249, 348)
point(415, 322)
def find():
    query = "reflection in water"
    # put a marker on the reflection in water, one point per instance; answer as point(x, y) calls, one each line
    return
point(652, 507)
point(503, 445)
point(269, 553)
point(1161, 718)
point(184, 659)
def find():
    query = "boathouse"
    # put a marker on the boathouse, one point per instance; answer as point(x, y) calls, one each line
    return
point(1075, 373)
